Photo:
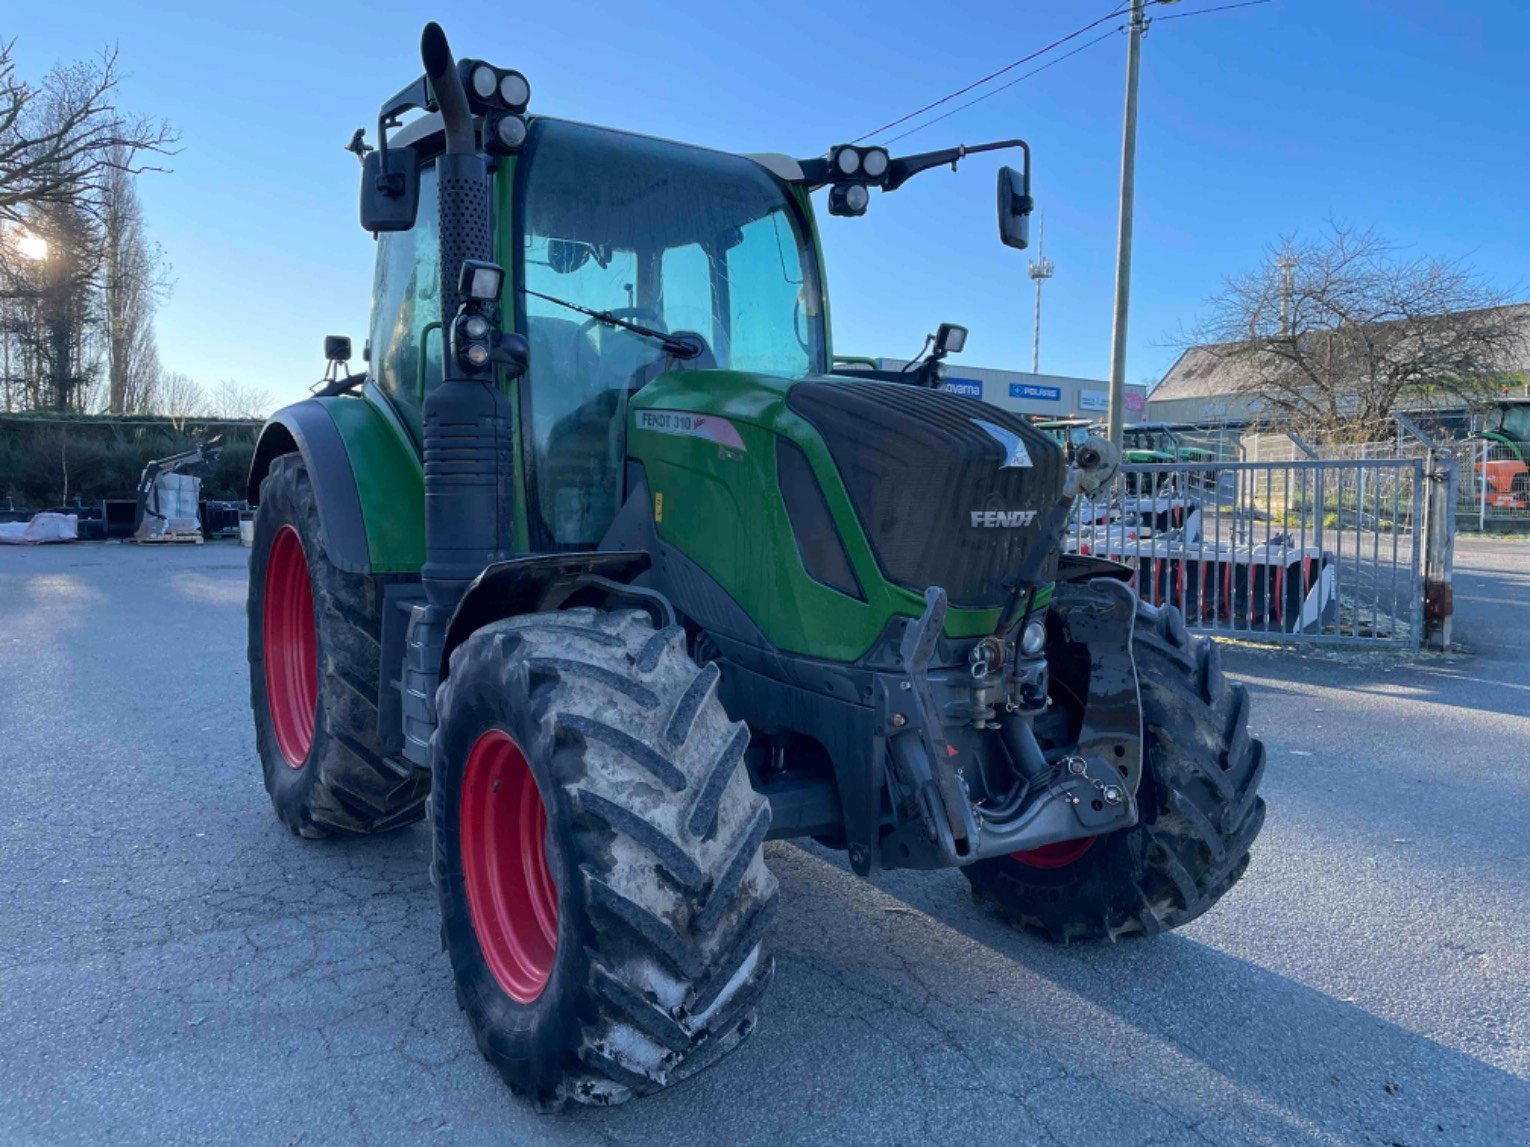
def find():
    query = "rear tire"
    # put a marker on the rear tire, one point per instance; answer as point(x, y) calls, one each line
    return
point(315, 703)
point(1198, 804)
point(642, 963)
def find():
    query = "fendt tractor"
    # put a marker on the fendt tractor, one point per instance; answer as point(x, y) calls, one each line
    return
point(602, 563)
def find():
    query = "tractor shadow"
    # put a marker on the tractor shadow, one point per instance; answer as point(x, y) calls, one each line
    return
point(903, 1010)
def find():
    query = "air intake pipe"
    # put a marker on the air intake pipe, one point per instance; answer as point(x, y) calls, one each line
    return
point(469, 460)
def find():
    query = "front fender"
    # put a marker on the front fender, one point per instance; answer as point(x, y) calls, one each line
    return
point(535, 583)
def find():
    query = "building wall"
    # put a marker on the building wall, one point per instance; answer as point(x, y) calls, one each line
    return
point(1042, 395)
point(1203, 409)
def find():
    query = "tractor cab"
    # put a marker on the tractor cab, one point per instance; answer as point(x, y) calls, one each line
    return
point(1504, 468)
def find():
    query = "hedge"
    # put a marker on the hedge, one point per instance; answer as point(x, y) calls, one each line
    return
point(48, 461)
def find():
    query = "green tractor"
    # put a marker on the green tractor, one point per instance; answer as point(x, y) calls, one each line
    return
point(600, 566)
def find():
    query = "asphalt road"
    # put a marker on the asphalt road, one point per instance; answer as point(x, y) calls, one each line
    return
point(175, 967)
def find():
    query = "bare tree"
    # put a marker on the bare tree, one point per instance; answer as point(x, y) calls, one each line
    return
point(51, 311)
point(232, 399)
point(61, 139)
point(1334, 334)
point(134, 280)
point(181, 399)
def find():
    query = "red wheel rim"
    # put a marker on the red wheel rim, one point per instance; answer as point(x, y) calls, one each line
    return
point(291, 647)
point(1058, 855)
point(510, 892)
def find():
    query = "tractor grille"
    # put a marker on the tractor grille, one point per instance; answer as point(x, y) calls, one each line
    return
point(918, 466)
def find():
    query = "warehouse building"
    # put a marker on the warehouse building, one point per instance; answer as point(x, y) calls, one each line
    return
point(1207, 387)
point(1038, 395)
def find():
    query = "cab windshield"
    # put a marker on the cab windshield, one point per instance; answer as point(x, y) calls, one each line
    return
point(673, 238)
point(1515, 422)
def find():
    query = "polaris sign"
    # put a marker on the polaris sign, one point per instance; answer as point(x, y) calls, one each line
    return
point(967, 387)
point(1031, 390)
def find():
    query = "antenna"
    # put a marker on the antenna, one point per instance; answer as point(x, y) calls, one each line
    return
point(1039, 269)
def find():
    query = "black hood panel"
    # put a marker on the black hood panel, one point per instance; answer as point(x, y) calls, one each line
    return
point(930, 484)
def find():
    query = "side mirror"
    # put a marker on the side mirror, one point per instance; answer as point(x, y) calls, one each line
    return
point(337, 348)
point(565, 256)
point(1014, 209)
point(514, 354)
point(390, 189)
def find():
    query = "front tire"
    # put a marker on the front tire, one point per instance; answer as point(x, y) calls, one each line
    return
point(314, 654)
point(597, 856)
point(1199, 809)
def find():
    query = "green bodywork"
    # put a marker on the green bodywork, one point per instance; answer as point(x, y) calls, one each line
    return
point(722, 507)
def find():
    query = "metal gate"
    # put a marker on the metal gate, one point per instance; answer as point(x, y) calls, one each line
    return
point(1309, 551)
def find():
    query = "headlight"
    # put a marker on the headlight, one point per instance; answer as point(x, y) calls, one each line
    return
point(484, 81)
point(475, 326)
point(874, 162)
point(1034, 639)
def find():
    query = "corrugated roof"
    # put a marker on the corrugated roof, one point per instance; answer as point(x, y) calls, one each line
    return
point(1217, 371)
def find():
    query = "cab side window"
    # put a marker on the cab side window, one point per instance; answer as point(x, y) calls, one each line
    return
point(406, 310)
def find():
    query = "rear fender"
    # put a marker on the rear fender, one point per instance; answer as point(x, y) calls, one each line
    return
point(366, 478)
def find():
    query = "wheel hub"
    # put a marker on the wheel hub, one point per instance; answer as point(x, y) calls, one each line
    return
point(1058, 855)
point(291, 647)
point(511, 896)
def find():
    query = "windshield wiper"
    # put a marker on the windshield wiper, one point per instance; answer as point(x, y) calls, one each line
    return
point(680, 348)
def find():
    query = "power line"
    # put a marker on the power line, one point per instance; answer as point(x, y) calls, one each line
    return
point(1209, 11)
point(1075, 34)
point(1005, 87)
point(1036, 71)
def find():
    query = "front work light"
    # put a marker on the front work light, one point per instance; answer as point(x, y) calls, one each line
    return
point(1034, 639)
point(480, 281)
point(485, 82)
point(491, 89)
point(514, 90)
point(874, 161)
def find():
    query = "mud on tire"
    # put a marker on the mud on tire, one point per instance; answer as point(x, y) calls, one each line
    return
point(653, 841)
point(344, 783)
point(1199, 807)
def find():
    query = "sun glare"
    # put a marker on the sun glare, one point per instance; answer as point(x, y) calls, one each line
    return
point(31, 246)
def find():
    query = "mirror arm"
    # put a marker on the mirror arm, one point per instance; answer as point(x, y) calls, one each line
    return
point(901, 170)
point(414, 97)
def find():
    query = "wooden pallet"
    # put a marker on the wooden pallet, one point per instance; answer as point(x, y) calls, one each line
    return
point(166, 540)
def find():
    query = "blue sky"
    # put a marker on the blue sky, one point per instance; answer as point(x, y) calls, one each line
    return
point(1407, 115)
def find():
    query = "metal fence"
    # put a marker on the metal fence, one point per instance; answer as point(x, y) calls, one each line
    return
point(1299, 550)
point(1494, 487)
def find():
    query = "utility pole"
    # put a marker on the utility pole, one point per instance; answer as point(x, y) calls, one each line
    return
point(1115, 417)
point(1040, 269)
point(1287, 265)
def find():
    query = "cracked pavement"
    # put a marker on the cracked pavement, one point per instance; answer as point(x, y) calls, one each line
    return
point(175, 967)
